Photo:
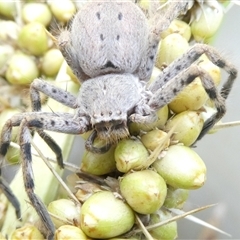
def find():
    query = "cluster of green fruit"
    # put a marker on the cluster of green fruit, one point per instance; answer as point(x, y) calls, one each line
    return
point(144, 175)
point(28, 51)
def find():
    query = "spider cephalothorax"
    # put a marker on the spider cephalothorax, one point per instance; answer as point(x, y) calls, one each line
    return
point(102, 101)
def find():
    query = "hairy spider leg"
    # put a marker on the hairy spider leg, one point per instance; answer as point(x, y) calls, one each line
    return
point(58, 122)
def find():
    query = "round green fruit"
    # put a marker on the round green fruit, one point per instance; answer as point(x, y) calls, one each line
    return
point(167, 231)
point(188, 125)
point(66, 211)
point(33, 38)
point(22, 69)
point(69, 232)
point(103, 215)
point(98, 164)
point(130, 154)
point(181, 167)
point(145, 191)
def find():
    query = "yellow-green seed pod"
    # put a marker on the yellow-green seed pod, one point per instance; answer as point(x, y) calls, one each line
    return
point(33, 38)
point(103, 215)
point(188, 125)
point(144, 5)
point(68, 232)
point(28, 232)
point(9, 31)
point(130, 154)
point(22, 69)
point(180, 27)
point(51, 62)
point(13, 155)
point(147, 5)
point(8, 9)
point(181, 167)
point(170, 48)
point(6, 52)
point(152, 139)
point(176, 198)
point(36, 12)
point(167, 231)
point(162, 115)
point(98, 164)
point(145, 191)
point(63, 10)
point(207, 23)
point(66, 212)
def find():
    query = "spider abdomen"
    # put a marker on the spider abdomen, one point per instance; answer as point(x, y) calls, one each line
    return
point(104, 33)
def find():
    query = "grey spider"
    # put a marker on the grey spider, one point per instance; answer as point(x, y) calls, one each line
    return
point(111, 47)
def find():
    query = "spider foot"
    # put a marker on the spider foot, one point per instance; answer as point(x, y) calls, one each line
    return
point(11, 197)
point(90, 141)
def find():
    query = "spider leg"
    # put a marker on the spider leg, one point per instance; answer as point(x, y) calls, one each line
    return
point(89, 144)
point(10, 196)
point(59, 95)
point(54, 123)
point(42, 116)
point(24, 141)
point(167, 93)
point(69, 53)
point(158, 23)
point(165, 15)
point(189, 58)
point(7, 132)
point(58, 122)
point(51, 91)
point(5, 143)
point(184, 62)
point(53, 145)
